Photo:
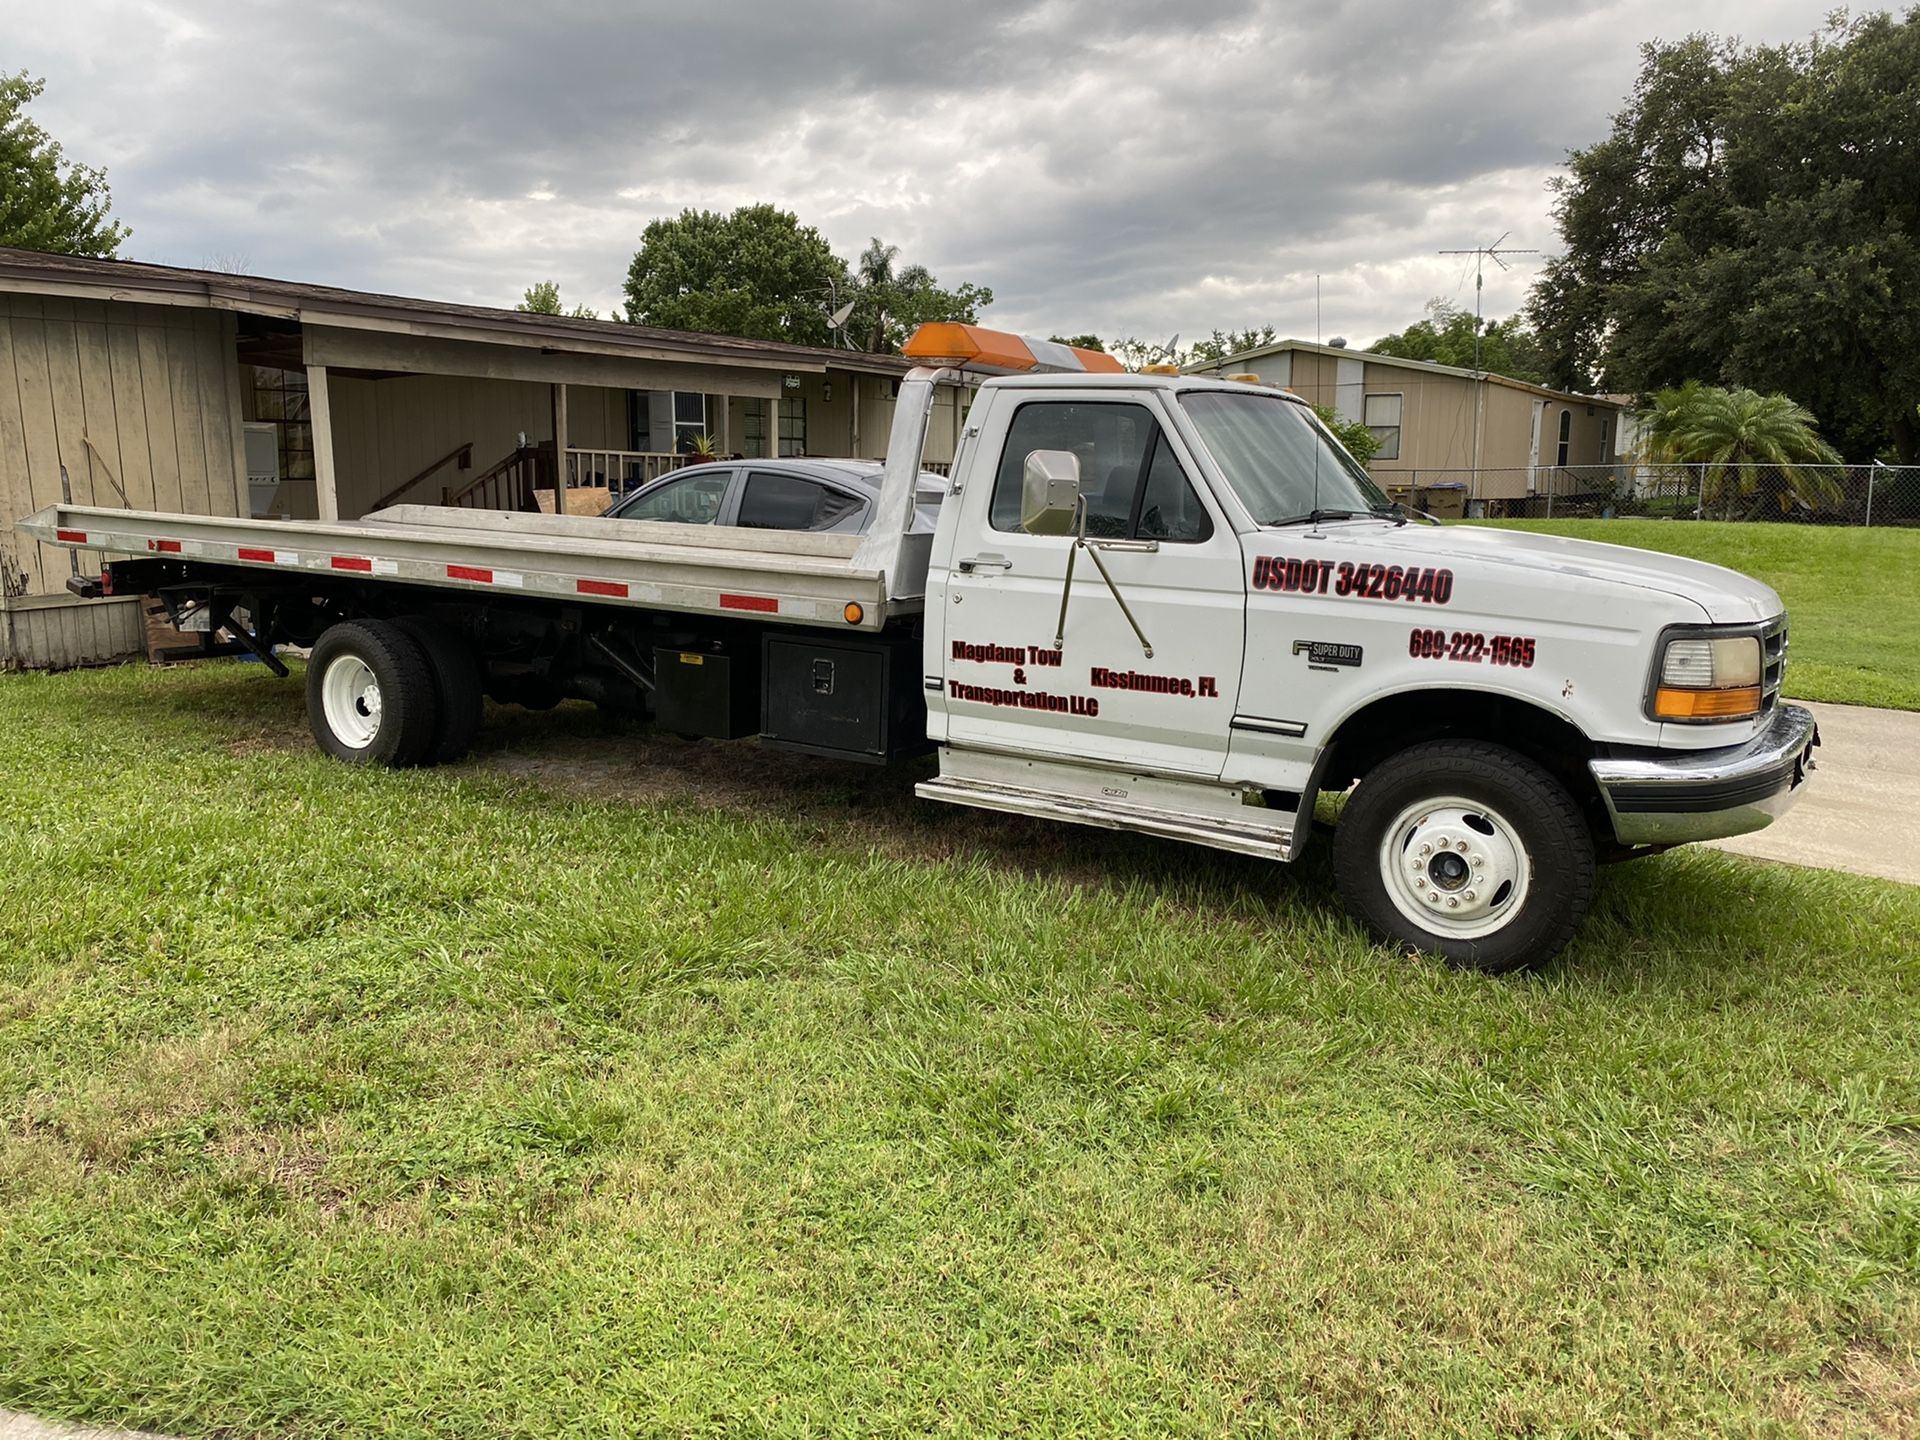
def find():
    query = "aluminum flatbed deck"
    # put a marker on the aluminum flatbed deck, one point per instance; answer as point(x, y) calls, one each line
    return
point(783, 576)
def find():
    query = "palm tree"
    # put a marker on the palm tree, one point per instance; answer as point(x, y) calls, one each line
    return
point(1733, 433)
point(877, 282)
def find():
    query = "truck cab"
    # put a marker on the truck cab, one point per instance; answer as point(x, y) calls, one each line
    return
point(1174, 604)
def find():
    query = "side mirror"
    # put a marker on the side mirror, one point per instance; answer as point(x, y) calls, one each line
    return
point(1049, 492)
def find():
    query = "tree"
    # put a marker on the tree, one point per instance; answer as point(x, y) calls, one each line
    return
point(1445, 337)
point(48, 202)
point(1224, 343)
point(1752, 219)
point(1354, 437)
point(1735, 434)
point(1080, 342)
point(544, 299)
point(889, 304)
point(757, 272)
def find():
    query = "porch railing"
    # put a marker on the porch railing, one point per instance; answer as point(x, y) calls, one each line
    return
point(621, 470)
point(508, 484)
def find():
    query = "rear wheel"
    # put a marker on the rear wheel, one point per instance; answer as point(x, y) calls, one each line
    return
point(459, 703)
point(1466, 850)
point(370, 696)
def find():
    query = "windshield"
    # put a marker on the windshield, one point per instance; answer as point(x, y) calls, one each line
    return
point(1278, 457)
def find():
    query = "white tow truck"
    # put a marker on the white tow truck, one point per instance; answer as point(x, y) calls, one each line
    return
point(1157, 603)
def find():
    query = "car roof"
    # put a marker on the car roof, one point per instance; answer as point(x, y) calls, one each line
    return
point(863, 475)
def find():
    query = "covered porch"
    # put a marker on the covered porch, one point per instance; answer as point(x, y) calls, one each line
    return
point(352, 420)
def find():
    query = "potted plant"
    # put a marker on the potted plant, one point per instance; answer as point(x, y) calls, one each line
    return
point(702, 448)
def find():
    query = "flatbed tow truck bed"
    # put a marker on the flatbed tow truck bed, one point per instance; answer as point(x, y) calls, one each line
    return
point(772, 576)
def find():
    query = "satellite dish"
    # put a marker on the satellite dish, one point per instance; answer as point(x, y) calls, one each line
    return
point(839, 317)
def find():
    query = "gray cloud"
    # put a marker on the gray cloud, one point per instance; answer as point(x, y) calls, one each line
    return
point(1115, 165)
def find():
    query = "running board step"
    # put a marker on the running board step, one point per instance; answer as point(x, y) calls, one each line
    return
point(1271, 840)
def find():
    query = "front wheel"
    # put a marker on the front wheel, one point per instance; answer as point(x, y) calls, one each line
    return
point(1468, 851)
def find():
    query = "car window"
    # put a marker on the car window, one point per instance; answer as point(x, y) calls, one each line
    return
point(696, 500)
point(1169, 508)
point(773, 501)
point(1132, 481)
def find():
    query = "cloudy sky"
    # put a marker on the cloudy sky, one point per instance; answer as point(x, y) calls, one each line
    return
point(1109, 165)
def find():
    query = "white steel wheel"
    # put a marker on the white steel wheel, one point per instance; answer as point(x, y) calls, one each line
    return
point(370, 694)
point(1454, 866)
point(350, 696)
point(1466, 850)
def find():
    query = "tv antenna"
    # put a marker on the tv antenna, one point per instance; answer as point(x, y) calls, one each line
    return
point(1481, 255)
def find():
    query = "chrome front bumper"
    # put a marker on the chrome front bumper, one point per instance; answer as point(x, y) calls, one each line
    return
point(1670, 797)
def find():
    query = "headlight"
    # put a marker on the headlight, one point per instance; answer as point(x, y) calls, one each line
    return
point(1708, 677)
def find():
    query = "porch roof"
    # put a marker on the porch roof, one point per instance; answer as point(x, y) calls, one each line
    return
point(35, 272)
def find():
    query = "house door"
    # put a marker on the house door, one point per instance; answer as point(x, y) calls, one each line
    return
point(1171, 557)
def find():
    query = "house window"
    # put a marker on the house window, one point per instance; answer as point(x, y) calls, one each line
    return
point(1382, 417)
point(280, 397)
point(689, 420)
point(793, 425)
point(1566, 435)
point(753, 417)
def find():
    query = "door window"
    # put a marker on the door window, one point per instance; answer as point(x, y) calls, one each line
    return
point(1132, 481)
point(788, 502)
point(695, 500)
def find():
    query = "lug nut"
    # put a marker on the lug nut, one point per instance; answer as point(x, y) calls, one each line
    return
point(1467, 895)
point(1453, 902)
point(1426, 849)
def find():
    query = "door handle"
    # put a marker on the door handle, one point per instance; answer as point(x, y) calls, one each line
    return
point(975, 563)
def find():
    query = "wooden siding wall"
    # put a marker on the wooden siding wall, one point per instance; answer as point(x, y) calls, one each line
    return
point(387, 430)
point(156, 389)
point(59, 633)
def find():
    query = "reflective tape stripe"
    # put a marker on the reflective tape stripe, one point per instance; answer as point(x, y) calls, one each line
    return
point(70, 537)
point(256, 557)
point(610, 588)
point(353, 562)
point(165, 547)
point(470, 572)
point(765, 604)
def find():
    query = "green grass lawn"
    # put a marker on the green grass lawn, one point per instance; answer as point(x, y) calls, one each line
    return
point(1853, 595)
point(609, 1084)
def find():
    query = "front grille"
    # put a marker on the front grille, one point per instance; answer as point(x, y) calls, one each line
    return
point(1773, 662)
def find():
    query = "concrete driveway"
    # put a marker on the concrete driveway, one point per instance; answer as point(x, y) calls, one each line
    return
point(1861, 811)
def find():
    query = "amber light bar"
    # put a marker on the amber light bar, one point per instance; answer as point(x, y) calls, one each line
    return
point(996, 352)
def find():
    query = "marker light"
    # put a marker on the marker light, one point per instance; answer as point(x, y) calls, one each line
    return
point(854, 613)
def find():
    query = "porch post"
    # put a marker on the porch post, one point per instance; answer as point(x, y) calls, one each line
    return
point(320, 417)
point(560, 449)
point(726, 424)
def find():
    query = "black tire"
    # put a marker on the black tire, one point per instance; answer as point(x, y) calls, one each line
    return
point(1537, 878)
point(457, 680)
point(396, 730)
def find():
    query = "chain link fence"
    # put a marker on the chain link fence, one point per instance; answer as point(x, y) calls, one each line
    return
point(1807, 494)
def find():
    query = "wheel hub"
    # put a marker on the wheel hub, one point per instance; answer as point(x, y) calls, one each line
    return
point(350, 697)
point(1454, 867)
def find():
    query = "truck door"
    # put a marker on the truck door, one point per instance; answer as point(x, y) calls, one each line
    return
point(1172, 558)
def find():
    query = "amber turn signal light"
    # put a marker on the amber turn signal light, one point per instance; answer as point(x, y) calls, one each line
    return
point(1729, 704)
point(854, 613)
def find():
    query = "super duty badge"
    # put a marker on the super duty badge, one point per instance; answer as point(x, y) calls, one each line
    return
point(1326, 654)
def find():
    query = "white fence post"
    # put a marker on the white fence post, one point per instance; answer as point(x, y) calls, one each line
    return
point(1872, 470)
